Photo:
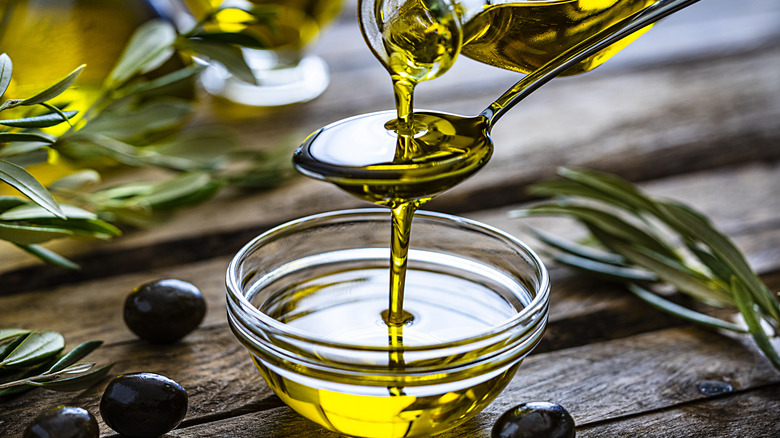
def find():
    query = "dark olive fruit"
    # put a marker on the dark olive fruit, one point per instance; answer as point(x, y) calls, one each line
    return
point(164, 311)
point(143, 405)
point(63, 422)
point(534, 420)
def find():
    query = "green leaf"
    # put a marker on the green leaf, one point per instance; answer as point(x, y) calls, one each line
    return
point(48, 256)
point(613, 190)
point(12, 333)
point(56, 89)
point(78, 353)
point(76, 180)
point(606, 222)
point(28, 234)
point(714, 264)
point(41, 121)
point(22, 148)
point(147, 87)
point(607, 270)
point(149, 47)
point(26, 136)
point(7, 347)
point(677, 274)
point(21, 180)
point(179, 190)
point(36, 347)
point(135, 123)
point(27, 212)
point(6, 67)
point(681, 311)
point(77, 383)
point(100, 145)
point(8, 202)
point(753, 321)
point(203, 148)
point(570, 247)
point(94, 228)
point(690, 223)
point(230, 57)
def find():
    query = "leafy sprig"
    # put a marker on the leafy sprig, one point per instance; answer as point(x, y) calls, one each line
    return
point(134, 123)
point(646, 242)
point(30, 359)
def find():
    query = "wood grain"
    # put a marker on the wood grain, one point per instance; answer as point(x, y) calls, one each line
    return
point(708, 112)
point(223, 384)
point(690, 111)
point(604, 382)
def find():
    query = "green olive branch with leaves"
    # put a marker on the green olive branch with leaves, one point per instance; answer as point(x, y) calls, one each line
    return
point(646, 242)
point(31, 359)
point(135, 122)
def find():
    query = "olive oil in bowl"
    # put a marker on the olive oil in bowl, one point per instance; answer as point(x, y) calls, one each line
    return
point(308, 301)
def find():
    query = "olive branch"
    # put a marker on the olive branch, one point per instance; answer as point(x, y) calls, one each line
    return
point(136, 122)
point(645, 242)
point(30, 359)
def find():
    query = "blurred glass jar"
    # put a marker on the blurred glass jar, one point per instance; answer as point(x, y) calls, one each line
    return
point(47, 39)
point(284, 71)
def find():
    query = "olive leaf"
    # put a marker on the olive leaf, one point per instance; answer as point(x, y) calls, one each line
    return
point(229, 56)
point(47, 94)
point(63, 373)
point(61, 382)
point(149, 47)
point(42, 121)
point(28, 234)
point(6, 334)
point(28, 212)
point(6, 67)
point(48, 256)
point(26, 136)
point(34, 347)
point(753, 320)
point(643, 242)
point(18, 178)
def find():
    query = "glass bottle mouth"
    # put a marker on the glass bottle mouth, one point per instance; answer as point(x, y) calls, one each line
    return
point(263, 276)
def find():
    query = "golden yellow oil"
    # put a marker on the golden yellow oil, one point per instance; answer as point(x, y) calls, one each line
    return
point(391, 415)
point(345, 305)
point(524, 35)
point(398, 170)
point(295, 23)
point(360, 156)
point(421, 42)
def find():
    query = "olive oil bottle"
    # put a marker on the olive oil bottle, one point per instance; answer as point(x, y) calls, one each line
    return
point(47, 39)
point(524, 35)
point(294, 23)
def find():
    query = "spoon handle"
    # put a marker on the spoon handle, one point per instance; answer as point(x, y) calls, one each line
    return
point(582, 50)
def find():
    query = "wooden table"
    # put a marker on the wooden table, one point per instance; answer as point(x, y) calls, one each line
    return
point(691, 111)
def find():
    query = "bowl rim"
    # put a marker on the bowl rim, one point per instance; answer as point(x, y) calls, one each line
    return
point(237, 301)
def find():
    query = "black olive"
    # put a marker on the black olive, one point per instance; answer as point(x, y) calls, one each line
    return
point(63, 422)
point(143, 404)
point(534, 420)
point(164, 311)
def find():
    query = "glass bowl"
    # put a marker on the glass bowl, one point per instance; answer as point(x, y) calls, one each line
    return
point(306, 299)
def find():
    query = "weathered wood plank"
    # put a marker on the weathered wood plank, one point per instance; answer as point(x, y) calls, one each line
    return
point(210, 364)
point(598, 382)
point(582, 311)
point(748, 414)
point(744, 205)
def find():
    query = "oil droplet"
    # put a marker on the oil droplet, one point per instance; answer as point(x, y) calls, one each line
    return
point(713, 387)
